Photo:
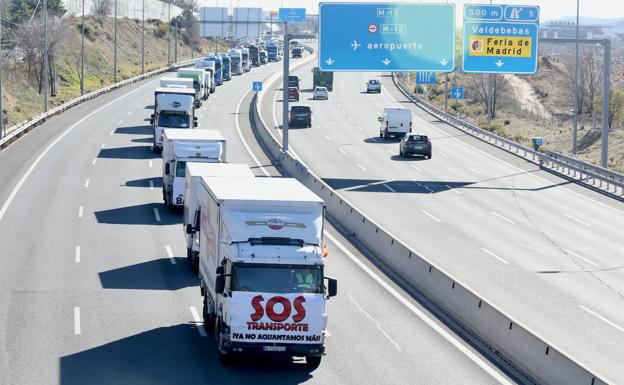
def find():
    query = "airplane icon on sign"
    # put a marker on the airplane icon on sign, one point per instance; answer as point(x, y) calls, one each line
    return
point(355, 45)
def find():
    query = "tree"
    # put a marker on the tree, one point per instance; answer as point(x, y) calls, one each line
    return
point(22, 11)
point(101, 7)
point(479, 87)
point(616, 107)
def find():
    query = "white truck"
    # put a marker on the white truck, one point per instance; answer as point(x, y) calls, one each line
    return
point(181, 146)
point(192, 183)
point(261, 267)
point(395, 122)
point(209, 68)
point(173, 108)
point(236, 61)
point(197, 75)
point(171, 82)
point(245, 60)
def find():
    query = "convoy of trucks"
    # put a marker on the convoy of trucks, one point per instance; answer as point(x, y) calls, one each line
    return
point(254, 55)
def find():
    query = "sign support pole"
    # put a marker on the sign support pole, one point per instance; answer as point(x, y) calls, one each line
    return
point(285, 89)
point(606, 98)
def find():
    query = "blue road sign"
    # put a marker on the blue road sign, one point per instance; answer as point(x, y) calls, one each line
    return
point(425, 78)
point(457, 92)
point(500, 38)
point(292, 14)
point(257, 86)
point(386, 37)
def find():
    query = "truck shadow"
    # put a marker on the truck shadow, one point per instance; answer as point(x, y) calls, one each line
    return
point(158, 274)
point(142, 214)
point(135, 130)
point(131, 152)
point(143, 140)
point(394, 186)
point(172, 355)
point(145, 182)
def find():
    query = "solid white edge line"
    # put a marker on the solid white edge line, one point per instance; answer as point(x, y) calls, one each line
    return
point(240, 135)
point(473, 170)
point(80, 211)
point(77, 320)
point(503, 217)
point(170, 255)
point(491, 254)
point(618, 327)
point(431, 216)
point(427, 320)
point(583, 258)
point(77, 255)
point(198, 322)
point(578, 220)
point(157, 214)
point(374, 321)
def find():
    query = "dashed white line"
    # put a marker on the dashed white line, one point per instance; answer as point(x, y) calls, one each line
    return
point(491, 254)
point(389, 188)
point(157, 214)
point(94, 160)
point(327, 137)
point(473, 170)
point(112, 132)
point(170, 254)
point(151, 183)
point(441, 153)
point(77, 255)
point(86, 184)
point(452, 189)
point(362, 167)
point(417, 168)
point(342, 151)
point(618, 327)
point(77, 320)
point(80, 211)
point(502, 217)
point(130, 113)
point(351, 120)
point(343, 111)
point(150, 163)
point(431, 216)
point(119, 122)
point(198, 322)
point(583, 258)
point(578, 220)
point(103, 145)
point(374, 321)
point(360, 128)
point(139, 106)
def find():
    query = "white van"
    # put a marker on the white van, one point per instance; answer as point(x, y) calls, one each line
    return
point(395, 122)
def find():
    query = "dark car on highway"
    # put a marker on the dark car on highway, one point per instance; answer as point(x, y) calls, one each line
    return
point(300, 116)
point(415, 144)
point(293, 94)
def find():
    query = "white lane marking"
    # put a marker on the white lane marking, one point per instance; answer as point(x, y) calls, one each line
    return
point(374, 321)
point(343, 111)
point(362, 167)
point(431, 216)
point(578, 220)
point(103, 145)
point(452, 189)
point(360, 128)
point(77, 255)
point(80, 211)
point(327, 137)
point(473, 170)
point(502, 217)
point(618, 327)
point(112, 132)
point(130, 113)
point(86, 184)
point(94, 160)
point(139, 106)
point(495, 256)
point(441, 153)
point(417, 168)
point(170, 254)
point(240, 135)
point(77, 320)
point(198, 322)
point(342, 151)
point(157, 214)
point(150, 163)
point(389, 188)
point(427, 320)
point(390, 151)
point(583, 258)
point(351, 120)
point(151, 185)
point(119, 122)
point(318, 126)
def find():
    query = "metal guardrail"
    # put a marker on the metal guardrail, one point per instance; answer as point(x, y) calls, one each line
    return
point(586, 174)
point(14, 134)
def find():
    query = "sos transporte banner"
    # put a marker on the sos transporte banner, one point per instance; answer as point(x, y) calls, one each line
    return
point(296, 318)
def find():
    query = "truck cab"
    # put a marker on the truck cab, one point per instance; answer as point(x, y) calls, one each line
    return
point(272, 51)
point(246, 60)
point(226, 66)
point(197, 75)
point(180, 147)
point(236, 61)
point(261, 267)
point(395, 122)
point(209, 81)
point(218, 68)
point(173, 108)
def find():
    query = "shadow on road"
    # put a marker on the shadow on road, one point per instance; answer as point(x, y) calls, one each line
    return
point(145, 182)
point(135, 130)
point(172, 355)
point(143, 140)
point(132, 152)
point(395, 186)
point(138, 215)
point(158, 274)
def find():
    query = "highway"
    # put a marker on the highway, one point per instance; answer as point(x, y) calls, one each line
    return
point(540, 248)
point(94, 284)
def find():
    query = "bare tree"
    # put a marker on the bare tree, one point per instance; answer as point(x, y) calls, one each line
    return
point(101, 7)
point(480, 87)
point(591, 65)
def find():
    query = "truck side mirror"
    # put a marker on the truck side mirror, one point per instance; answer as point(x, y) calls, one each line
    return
point(167, 168)
point(220, 270)
point(151, 121)
point(189, 229)
point(152, 116)
point(220, 284)
point(379, 119)
point(332, 287)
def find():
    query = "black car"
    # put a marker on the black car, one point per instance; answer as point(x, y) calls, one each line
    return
point(415, 144)
point(300, 116)
point(297, 52)
point(293, 81)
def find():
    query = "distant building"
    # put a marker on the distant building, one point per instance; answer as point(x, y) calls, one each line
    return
point(559, 29)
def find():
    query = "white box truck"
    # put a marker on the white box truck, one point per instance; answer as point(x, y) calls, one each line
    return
point(245, 60)
point(197, 75)
point(176, 82)
point(261, 267)
point(192, 209)
point(209, 68)
point(395, 122)
point(181, 146)
point(173, 108)
point(236, 61)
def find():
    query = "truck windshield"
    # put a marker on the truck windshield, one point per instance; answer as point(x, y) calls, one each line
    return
point(277, 279)
point(173, 119)
point(181, 169)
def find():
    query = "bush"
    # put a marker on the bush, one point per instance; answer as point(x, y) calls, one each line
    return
point(161, 31)
point(507, 122)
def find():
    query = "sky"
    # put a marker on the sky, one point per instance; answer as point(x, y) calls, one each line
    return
point(550, 9)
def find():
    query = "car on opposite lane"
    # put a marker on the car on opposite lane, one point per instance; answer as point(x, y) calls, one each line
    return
point(300, 116)
point(373, 85)
point(320, 93)
point(415, 144)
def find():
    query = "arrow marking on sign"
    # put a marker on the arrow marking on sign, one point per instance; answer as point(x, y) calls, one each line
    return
point(355, 45)
point(499, 63)
point(386, 61)
point(329, 61)
point(444, 61)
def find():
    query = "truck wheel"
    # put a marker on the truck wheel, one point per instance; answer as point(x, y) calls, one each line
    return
point(194, 263)
point(313, 362)
point(209, 318)
point(170, 201)
point(224, 358)
point(429, 156)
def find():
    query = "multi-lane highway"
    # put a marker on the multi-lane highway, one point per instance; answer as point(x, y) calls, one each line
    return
point(540, 248)
point(94, 285)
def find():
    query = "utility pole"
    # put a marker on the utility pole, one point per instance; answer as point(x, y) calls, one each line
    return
point(115, 47)
point(169, 38)
point(576, 91)
point(606, 99)
point(1, 113)
point(82, 51)
point(142, 39)
point(446, 92)
point(44, 74)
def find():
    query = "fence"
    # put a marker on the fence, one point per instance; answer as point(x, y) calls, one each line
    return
point(131, 9)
